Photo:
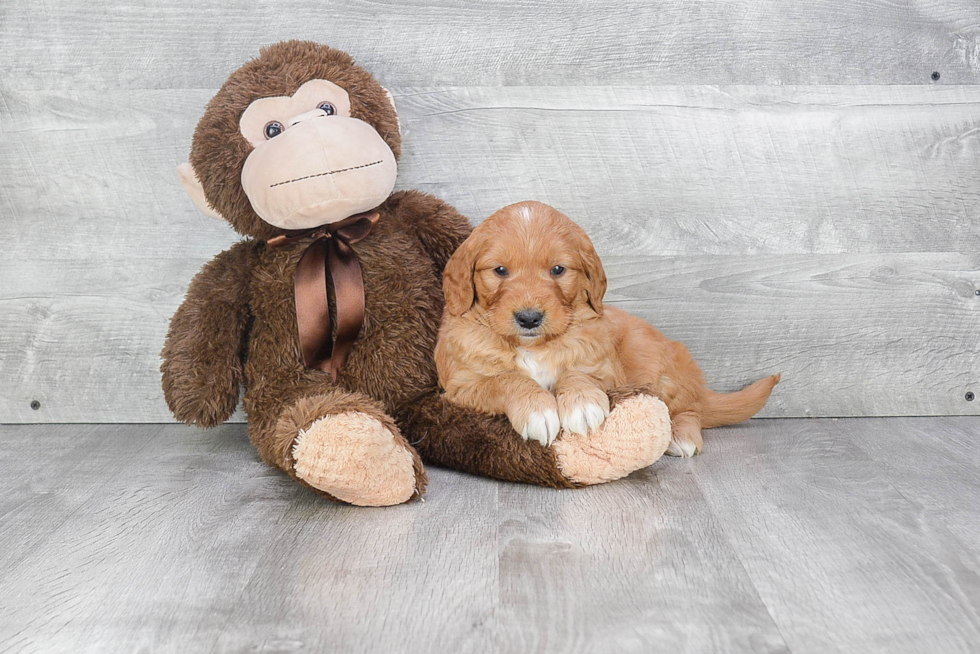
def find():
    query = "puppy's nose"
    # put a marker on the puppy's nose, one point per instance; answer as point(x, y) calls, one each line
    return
point(529, 318)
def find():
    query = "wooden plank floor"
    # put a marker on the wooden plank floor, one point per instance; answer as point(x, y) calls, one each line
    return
point(852, 535)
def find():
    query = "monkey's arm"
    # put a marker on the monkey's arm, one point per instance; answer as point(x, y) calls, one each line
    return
point(438, 226)
point(202, 357)
point(635, 435)
point(463, 439)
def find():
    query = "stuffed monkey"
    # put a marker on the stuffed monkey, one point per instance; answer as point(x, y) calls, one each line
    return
point(328, 310)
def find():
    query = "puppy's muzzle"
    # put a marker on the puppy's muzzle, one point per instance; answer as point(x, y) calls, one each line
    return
point(529, 318)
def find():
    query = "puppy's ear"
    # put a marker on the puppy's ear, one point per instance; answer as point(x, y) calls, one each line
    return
point(595, 286)
point(457, 280)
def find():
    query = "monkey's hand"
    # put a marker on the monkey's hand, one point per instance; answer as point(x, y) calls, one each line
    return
point(202, 357)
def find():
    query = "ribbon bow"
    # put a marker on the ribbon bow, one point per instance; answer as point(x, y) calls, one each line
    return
point(331, 248)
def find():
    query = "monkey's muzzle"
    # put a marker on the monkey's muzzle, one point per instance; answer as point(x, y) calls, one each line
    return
point(319, 171)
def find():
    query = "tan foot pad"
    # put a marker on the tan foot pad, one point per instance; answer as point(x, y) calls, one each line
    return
point(354, 458)
point(634, 435)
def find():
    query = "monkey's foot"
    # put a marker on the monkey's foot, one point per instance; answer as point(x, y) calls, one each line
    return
point(635, 434)
point(356, 459)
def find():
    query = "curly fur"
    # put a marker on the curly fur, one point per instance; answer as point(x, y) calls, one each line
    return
point(578, 350)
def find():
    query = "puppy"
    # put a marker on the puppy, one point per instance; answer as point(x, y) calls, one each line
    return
point(525, 333)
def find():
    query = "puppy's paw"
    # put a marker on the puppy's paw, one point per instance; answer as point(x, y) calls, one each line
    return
point(583, 411)
point(686, 440)
point(685, 445)
point(542, 427)
point(536, 418)
point(683, 449)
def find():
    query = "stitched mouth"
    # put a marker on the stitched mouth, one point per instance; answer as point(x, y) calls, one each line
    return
point(329, 172)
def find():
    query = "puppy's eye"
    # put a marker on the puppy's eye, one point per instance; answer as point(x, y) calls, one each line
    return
point(500, 271)
point(273, 129)
point(557, 271)
point(327, 108)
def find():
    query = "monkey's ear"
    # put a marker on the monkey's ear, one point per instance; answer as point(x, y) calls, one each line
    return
point(391, 101)
point(191, 184)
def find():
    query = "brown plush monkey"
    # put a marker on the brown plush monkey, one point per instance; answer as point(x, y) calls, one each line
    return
point(298, 152)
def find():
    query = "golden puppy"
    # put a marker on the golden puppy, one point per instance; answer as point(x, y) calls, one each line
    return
point(525, 333)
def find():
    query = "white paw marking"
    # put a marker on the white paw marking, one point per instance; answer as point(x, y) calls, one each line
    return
point(545, 375)
point(585, 418)
point(683, 449)
point(542, 426)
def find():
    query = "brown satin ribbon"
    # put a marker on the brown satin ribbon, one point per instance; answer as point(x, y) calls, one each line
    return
point(331, 248)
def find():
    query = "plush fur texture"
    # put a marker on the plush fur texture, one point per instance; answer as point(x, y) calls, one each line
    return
point(606, 454)
point(355, 458)
point(529, 258)
point(238, 323)
point(219, 149)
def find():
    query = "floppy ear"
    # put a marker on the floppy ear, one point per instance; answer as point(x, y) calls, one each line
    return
point(191, 184)
point(595, 286)
point(457, 280)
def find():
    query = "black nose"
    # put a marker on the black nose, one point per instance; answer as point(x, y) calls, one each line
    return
point(529, 318)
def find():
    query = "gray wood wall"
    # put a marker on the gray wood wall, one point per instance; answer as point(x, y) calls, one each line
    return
point(782, 186)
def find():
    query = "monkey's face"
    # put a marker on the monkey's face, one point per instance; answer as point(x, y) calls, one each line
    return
point(313, 164)
point(298, 137)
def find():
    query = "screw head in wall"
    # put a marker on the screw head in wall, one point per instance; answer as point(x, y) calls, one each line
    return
point(935, 76)
point(969, 396)
point(35, 405)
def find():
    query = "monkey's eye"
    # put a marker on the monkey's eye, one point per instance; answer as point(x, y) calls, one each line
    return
point(273, 129)
point(327, 108)
point(500, 271)
point(557, 271)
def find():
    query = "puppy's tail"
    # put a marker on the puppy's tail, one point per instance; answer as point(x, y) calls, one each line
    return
point(729, 408)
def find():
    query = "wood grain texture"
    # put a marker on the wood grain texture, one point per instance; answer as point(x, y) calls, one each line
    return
point(427, 582)
point(808, 230)
point(164, 542)
point(735, 170)
point(731, 170)
point(852, 335)
point(935, 464)
point(76, 465)
point(783, 536)
point(681, 588)
point(195, 44)
point(805, 496)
